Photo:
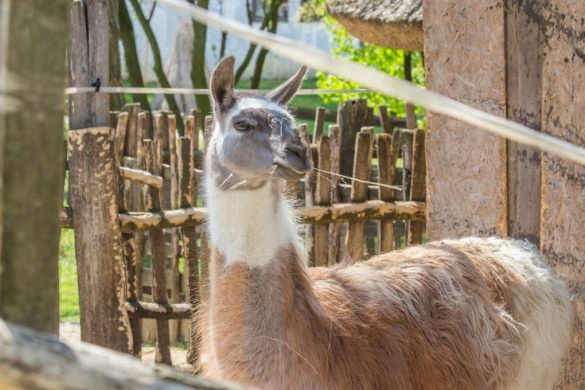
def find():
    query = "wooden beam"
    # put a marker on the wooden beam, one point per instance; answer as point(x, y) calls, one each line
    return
point(143, 177)
point(159, 311)
point(30, 359)
point(339, 212)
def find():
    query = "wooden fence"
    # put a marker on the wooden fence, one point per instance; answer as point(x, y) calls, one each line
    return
point(155, 235)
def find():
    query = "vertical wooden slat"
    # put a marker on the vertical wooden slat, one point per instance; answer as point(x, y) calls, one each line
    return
point(159, 284)
point(129, 252)
point(334, 228)
point(352, 115)
point(131, 144)
point(309, 191)
point(362, 166)
point(386, 171)
point(323, 198)
point(523, 105)
point(418, 186)
point(208, 130)
point(189, 234)
point(386, 121)
point(319, 123)
point(94, 188)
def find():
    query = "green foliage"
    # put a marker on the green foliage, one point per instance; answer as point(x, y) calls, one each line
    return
point(389, 61)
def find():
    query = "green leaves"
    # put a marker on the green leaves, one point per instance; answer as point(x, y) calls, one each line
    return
point(390, 61)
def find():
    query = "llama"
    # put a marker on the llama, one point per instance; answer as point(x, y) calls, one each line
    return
point(457, 314)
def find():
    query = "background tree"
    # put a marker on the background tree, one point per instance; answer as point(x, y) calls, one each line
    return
point(198, 62)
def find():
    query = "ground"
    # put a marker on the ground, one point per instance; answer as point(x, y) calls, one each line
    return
point(69, 332)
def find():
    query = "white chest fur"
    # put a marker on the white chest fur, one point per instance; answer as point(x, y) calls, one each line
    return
point(248, 225)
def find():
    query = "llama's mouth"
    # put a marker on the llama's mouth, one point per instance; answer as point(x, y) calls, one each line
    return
point(290, 171)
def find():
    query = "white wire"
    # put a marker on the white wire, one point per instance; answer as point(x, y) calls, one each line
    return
point(198, 91)
point(380, 82)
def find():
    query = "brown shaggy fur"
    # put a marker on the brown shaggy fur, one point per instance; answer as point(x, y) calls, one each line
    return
point(434, 317)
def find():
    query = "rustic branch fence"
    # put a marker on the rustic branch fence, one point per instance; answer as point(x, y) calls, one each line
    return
point(135, 196)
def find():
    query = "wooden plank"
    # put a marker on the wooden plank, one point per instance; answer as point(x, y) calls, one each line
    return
point(29, 357)
point(319, 123)
point(361, 171)
point(335, 242)
point(418, 187)
point(386, 121)
point(309, 192)
point(523, 105)
point(189, 233)
point(163, 354)
point(94, 179)
point(157, 311)
point(467, 188)
point(132, 139)
point(563, 182)
point(386, 172)
point(352, 115)
point(323, 198)
point(174, 233)
point(33, 42)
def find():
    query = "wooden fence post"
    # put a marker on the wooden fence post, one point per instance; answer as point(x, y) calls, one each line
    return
point(418, 187)
point(323, 198)
point(359, 190)
point(153, 162)
point(309, 191)
point(94, 178)
point(334, 228)
point(352, 115)
point(386, 171)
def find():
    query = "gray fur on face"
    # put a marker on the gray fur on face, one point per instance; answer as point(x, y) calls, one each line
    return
point(254, 138)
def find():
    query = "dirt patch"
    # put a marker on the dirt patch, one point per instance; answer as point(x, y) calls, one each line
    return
point(70, 333)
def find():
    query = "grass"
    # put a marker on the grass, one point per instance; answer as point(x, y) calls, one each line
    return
point(68, 295)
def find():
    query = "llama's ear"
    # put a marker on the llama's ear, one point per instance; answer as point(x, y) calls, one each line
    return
point(222, 84)
point(284, 94)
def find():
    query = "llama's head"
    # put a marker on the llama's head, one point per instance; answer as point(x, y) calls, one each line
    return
point(254, 137)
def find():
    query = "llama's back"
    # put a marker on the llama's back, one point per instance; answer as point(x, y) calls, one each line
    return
point(471, 313)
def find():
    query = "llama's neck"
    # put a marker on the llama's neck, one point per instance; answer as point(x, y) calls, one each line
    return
point(250, 226)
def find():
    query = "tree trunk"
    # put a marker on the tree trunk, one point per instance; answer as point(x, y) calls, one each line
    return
point(116, 100)
point(158, 65)
point(198, 63)
point(131, 55)
point(272, 25)
point(33, 39)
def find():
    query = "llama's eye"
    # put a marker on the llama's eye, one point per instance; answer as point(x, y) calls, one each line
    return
point(242, 126)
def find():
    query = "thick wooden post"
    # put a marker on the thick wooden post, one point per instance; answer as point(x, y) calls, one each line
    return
point(563, 183)
point(32, 72)
point(359, 190)
point(466, 166)
point(94, 178)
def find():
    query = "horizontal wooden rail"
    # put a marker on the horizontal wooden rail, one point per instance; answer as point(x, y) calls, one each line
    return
point(177, 311)
point(142, 177)
point(342, 212)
